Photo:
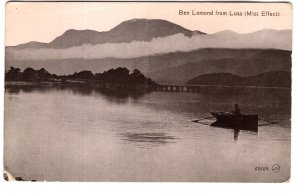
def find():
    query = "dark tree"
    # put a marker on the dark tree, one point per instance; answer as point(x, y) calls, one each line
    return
point(119, 75)
point(137, 77)
point(29, 74)
point(43, 75)
point(13, 74)
point(83, 75)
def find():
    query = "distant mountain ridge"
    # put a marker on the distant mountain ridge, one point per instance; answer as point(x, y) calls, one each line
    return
point(178, 66)
point(266, 79)
point(242, 62)
point(147, 29)
point(127, 31)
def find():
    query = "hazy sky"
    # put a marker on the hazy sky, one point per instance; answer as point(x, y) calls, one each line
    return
point(45, 21)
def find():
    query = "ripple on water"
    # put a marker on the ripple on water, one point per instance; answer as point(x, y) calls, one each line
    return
point(147, 140)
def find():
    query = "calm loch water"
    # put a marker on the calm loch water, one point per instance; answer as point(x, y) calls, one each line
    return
point(74, 134)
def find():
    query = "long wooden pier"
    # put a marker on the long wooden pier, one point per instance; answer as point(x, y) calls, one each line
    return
point(179, 88)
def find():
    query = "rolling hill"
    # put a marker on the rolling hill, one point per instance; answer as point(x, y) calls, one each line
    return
point(242, 63)
point(266, 79)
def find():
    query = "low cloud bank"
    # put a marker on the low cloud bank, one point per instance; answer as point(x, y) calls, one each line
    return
point(265, 39)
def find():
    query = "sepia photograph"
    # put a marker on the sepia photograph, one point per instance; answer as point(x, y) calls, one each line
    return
point(148, 91)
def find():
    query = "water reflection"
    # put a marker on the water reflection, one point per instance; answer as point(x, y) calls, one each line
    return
point(77, 89)
point(236, 134)
point(148, 140)
point(99, 140)
point(236, 131)
point(25, 87)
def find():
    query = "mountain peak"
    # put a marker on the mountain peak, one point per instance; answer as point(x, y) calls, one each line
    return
point(141, 29)
point(137, 20)
point(148, 23)
point(70, 31)
point(137, 29)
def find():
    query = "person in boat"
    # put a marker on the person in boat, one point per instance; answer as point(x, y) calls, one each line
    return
point(236, 109)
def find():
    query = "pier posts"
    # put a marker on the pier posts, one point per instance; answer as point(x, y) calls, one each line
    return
point(178, 88)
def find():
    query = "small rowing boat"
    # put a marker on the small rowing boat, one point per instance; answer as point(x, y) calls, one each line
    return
point(235, 120)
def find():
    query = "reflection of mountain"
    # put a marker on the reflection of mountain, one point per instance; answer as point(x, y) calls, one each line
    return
point(268, 79)
point(163, 50)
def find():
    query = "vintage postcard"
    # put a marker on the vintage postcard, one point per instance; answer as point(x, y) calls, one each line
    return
point(148, 91)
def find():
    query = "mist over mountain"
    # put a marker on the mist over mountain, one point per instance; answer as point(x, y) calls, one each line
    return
point(162, 50)
point(265, 39)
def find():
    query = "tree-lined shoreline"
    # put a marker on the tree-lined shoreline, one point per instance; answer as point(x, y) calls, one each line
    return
point(112, 78)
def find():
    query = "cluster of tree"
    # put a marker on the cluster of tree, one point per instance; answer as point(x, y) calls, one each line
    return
point(114, 76)
point(29, 74)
